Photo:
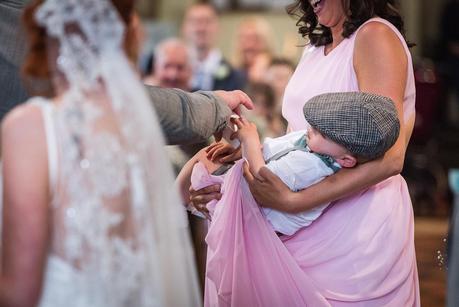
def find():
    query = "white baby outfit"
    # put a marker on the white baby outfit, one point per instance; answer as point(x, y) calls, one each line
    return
point(291, 160)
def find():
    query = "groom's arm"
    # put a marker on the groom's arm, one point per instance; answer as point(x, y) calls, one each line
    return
point(193, 117)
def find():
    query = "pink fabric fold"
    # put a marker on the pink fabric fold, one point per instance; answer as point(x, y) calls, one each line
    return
point(347, 257)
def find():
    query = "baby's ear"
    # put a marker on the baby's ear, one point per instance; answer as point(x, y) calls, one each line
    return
point(347, 161)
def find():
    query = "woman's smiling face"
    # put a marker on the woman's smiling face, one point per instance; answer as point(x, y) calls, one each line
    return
point(330, 13)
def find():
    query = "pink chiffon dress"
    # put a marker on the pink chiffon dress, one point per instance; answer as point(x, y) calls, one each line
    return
point(360, 252)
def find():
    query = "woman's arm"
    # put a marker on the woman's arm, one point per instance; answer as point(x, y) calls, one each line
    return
point(380, 63)
point(25, 207)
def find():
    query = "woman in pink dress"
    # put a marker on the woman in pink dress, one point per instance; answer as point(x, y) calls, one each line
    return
point(361, 250)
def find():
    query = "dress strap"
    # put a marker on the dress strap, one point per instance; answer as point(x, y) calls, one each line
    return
point(47, 110)
point(410, 88)
point(391, 26)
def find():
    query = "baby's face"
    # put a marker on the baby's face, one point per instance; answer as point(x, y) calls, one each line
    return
point(318, 143)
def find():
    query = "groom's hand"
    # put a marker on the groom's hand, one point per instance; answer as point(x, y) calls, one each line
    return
point(234, 99)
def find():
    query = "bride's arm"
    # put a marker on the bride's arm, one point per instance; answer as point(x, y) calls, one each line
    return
point(25, 207)
point(380, 63)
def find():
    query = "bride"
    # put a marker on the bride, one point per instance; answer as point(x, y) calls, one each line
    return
point(90, 215)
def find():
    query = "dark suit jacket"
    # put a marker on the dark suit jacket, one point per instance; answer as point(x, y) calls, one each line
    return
point(12, 50)
point(234, 80)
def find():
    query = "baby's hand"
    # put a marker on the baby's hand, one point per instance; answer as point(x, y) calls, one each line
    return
point(247, 131)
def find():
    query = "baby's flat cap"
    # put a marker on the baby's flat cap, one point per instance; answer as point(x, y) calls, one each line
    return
point(365, 124)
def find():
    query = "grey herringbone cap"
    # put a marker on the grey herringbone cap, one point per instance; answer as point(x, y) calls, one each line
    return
point(365, 124)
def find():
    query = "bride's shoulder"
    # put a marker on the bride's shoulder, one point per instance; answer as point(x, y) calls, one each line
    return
point(24, 120)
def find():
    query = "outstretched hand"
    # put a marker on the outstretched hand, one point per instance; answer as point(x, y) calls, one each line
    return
point(234, 99)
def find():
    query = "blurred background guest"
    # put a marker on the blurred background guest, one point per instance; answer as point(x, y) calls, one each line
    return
point(278, 73)
point(171, 66)
point(254, 47)
point(210, 70)
point(267, 92)
point(266, 116)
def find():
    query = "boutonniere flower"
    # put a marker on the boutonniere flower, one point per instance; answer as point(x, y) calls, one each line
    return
point(222, 71)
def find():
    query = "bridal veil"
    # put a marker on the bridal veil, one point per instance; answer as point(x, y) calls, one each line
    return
point(119, 232)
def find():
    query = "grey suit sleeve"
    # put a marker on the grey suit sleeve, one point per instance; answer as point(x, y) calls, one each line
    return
point(188, 117)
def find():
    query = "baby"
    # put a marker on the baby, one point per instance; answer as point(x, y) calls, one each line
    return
point(345, 129)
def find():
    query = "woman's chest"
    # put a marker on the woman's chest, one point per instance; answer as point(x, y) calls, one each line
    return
point(317, 74)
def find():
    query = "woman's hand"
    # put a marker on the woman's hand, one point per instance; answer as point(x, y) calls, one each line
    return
point(223, 152)
point(267, 188)
point(200, 198)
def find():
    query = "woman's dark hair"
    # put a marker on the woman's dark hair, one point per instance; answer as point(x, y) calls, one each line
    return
point(359, 11)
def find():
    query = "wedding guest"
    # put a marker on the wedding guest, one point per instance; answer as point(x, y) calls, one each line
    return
point(211, 71)
point(254, 47)
point(354, 46)
point(278, 74)
point(172, 65)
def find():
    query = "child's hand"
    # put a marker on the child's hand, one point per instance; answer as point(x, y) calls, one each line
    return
point(223, 152)
point(247, 131)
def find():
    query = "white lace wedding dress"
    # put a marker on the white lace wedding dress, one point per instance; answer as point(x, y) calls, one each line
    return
point(124, 274)
point(118, 231)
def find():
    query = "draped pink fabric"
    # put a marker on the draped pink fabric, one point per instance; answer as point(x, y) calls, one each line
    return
point(360, 252)
point(339, 260)
point(247, 263)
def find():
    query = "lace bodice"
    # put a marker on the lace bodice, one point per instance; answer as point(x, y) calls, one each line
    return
point(119, 280)
point(127, 273)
